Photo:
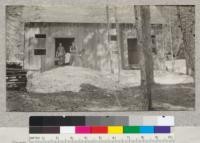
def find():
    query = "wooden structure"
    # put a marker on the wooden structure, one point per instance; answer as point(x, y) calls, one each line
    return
point(15, 77)
point(87, 26)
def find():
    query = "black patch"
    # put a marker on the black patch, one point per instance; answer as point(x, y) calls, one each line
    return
point(39, 51)
point(40, 35)
point(113, 38)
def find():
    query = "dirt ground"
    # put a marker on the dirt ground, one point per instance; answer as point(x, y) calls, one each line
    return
point(91, 98)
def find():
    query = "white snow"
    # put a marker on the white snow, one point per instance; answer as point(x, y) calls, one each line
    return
point(179, 65)
point(163, 77)
point(70, 78)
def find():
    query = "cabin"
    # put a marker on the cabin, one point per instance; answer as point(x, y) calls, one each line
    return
point(105, 37)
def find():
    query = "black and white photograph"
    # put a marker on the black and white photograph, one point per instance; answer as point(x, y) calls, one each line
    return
point(108, 58)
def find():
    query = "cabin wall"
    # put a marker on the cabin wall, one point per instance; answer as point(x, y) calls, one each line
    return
point(128, 31)
point(20, 45)
point(90, 41)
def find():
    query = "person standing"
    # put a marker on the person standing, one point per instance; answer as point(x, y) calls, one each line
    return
point(60, 54)
point(73, 53)
point(67, 58)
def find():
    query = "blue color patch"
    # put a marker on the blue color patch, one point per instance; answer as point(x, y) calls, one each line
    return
point(146, 129)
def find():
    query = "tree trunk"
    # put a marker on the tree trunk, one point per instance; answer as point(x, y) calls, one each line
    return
point(108, 44)
point(186, 17)
point(143, 27)
point(118, 44)
point(171, 42)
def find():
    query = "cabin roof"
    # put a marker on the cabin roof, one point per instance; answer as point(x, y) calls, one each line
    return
point(85, 14)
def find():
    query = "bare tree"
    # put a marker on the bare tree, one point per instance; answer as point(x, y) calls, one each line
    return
point(143, 27)
point(186, 17)
point(14, 28)
point(108, 30)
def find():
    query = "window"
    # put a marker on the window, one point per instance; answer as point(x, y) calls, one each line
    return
point(40, 35)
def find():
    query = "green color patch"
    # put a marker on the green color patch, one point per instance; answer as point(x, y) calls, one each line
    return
point(131, 129)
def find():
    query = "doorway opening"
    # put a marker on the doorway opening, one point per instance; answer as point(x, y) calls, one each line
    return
point(133, 52)
point(66, 44)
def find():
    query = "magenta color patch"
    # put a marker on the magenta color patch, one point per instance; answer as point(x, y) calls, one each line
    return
point(83, 130)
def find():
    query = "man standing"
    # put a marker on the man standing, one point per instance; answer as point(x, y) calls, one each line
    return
point(60, 54)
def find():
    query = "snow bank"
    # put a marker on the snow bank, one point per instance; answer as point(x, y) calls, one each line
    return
point(163, 77)
point(70, 78)
point(179, 66)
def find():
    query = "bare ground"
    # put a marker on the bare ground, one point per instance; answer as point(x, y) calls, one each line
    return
point(91, 98)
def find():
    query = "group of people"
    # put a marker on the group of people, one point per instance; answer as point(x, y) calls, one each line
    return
point(63, 57)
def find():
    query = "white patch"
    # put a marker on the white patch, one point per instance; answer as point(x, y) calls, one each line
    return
point(88, 37)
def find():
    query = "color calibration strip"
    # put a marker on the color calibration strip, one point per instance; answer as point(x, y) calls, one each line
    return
point(100, 130)
point(98, 125)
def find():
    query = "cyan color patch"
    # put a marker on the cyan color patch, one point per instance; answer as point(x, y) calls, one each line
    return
point(146, 129)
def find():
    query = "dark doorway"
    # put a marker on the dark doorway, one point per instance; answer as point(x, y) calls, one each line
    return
point(133, 52)
point(66, 43)
point(153, 39)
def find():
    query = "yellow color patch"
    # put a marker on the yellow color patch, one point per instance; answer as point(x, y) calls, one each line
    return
point(115, 129)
